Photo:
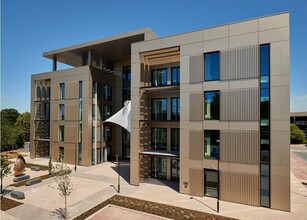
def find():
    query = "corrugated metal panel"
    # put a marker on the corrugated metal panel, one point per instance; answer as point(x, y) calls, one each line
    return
point(196, 70)
point(196, 113)
point(239, 105)
point(239, 63)
point(196, 145)
point(239, 146)
point(239, 187)
point(196, 179)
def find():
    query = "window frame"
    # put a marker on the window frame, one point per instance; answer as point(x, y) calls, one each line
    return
point(219, 105)
point(155, 74)
point(219, 66)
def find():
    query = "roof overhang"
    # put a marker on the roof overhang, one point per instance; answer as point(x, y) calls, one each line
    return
point(154, 153)
point(111, 49)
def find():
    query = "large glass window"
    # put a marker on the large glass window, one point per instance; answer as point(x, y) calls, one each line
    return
point(62, 90)
point(159, 109)
point(61, 133)
point(265, 125)
point(211, 183)
point(159, 77)
point(126, 83)
point(175, 114)
point(62, 111)
point(80, 89)
point(159, 138)
point(158, 168)
point(107, 92)
point(175, 170)
point(175, 139)
point(212, 66)
point(94, 89)
point(107, 111)
point(175, 75)
point(212, 139)
point(212, 105)
point(61, 154)
point(107, 133)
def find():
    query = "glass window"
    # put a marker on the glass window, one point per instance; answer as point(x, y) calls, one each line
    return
point(159, 109)
point(80, 89)
point(175, 115)
point(107, 92)
point(159, 77)
point(61, 154)
point(175, 170)
point(61, 133)
point(175, 75)
point(264, 82)
point(175, 139)
point(107, 133)
point(211, 183)
point(62, 111)
point(126, 83)
point(94, 90)
point(93, 134)
point(62, 90)
point(38, 91)
point(80, 109)
point(212, 105)
point(158, 168)
point(107, 112)
point(212, 66)
point(265, 191)
point(79, 154)
point(212, 139)
point(94, 111)
point(265, 60)
point(80, 133)
point(159, 138)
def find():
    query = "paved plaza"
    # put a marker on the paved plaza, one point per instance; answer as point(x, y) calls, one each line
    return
point(94, 184)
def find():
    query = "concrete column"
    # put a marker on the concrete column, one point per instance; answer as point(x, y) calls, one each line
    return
point(89, 58)
point(54, 61)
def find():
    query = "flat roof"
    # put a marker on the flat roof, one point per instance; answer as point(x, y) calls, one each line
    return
point(297, 114)
point(114, 48)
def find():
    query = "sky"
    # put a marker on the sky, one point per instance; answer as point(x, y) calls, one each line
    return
point(31, 27)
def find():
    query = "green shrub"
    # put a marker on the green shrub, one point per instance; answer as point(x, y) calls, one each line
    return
point(297, 135)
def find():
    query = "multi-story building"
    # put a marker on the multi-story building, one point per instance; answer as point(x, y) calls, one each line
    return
point(209, 108)
point(300, 119)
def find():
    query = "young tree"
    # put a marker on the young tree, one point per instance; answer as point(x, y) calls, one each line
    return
point(5, 168)
point(50, 166)
point(64, 185)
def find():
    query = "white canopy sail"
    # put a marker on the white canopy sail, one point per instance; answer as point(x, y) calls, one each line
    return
point(122, 117)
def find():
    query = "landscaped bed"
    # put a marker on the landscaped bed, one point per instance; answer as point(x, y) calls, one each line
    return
point(22, 183)
point(154, 208)
point(7, 204)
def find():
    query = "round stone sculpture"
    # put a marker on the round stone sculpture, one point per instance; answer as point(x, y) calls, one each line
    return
point(19, 166)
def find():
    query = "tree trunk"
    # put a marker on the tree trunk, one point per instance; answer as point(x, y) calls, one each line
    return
point(65, 208)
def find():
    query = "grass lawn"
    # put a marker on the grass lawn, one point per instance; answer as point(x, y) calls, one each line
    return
point(7, 204)
point(154, 208)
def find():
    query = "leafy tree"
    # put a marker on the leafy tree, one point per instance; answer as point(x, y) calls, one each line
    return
point(297, 135)
point(64, 185)
point(23, 125)
point(50, 166)
point(5, 168)
point(9, 116)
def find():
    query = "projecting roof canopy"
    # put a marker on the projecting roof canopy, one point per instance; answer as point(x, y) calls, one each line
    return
point(111, 49)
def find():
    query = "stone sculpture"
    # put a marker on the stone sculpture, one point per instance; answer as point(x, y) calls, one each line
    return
point(19, 166)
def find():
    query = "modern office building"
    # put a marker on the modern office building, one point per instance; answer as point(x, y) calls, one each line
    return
point(209, 108)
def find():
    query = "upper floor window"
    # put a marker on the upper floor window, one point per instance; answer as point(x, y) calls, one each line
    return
point(265, 60)
point(159, 138)
point(159, 77)
point(107, 133)
point(175, 139)
point(62, 90)
point(107, 111)
point(107, 92)
point(176, 75)
point(159, 109)
point(80, 89)
point(62, 111)
point(212, 105)
point(175, 115)
point(212, 139)
point(61, 133)
point(94, 89)
point(212, 66)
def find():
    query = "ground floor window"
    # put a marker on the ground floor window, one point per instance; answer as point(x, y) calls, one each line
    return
point(211, 183)
point(175, 170)
point(61, 154)
point(158, 168)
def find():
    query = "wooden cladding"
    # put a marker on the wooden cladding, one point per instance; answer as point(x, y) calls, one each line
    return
point(239, 105)
point(239, 187)
point(239, 63)
point(239, 146)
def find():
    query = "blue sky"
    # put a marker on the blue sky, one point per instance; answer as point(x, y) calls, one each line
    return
point(31, 27)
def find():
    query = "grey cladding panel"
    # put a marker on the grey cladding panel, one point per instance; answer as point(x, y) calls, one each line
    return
point(196, 145)
point(240, 63)
point(239, 146)
point(196, 106)
point(196, 69)
point(239, 105)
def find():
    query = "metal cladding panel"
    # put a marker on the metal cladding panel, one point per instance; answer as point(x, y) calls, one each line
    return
point(239, 187)
point(196, 70)
point(239, 105)
point(196, 179)
point(240, 63)
point(196, 145)
point(196, 106)
point(239, 146)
